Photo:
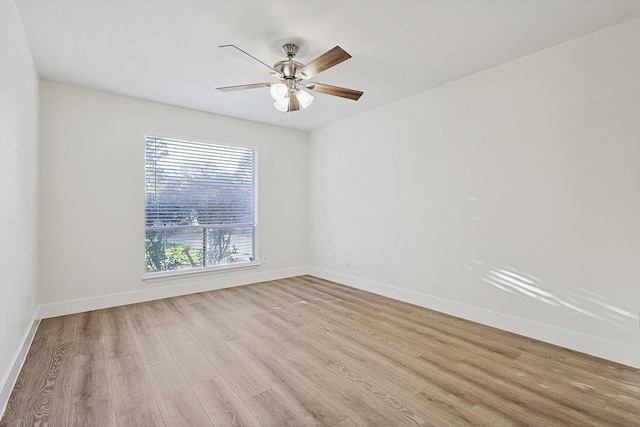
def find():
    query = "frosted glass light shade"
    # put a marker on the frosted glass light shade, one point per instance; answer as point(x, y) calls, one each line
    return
point(282, 104)
point(278, 91)
point(304, 98)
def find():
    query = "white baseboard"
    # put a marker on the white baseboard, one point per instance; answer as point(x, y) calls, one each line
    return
point(7, 384)
point(595, 346)
point(208, 283)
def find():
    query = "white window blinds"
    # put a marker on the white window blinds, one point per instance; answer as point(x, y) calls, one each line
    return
point(200, 204)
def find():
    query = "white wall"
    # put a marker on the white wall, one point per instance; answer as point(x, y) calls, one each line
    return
point(92, 197)
point(510, 197)
point(18, 195)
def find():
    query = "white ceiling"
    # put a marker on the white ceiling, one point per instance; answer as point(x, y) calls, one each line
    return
point(167, 50)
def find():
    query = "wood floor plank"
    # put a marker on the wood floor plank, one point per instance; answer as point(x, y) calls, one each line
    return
point(300, 288)
point(306, 351)
point(336, 317)
point(208, 315)
point(347, 422)
point(447, 409)
point(539, 406)
point(261, 301)
point(60, 330)
point(89, 333)
point(306, 347)
point(117, 339)
point(236, 299)
point(626, 410)
point(178, 404)
point(443, 382)
point(314, 310)
point(272, 288)
point(292, 317)
point(503, 412)
point(365, 326)
point(357, 403)
point(393, 350)
point(242, 379)
point(157, 311)
point(91, 400)
point(183, 314)
point(222, 404)
point(270, 409)
point(262, 334)
point(150, 346)
point(174, 336)
point(394, 378)
point(194, 365)
point(545, 385)
point(401, 407)
point(397, 323)
point(51, 382)
point(216, 302)
point(599, 384)
point(299, 396)
point(604, 367)
point(134, 401)
point(279, 337)
point(451, 324)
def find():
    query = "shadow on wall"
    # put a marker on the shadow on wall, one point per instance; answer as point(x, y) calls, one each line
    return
point(581, 300)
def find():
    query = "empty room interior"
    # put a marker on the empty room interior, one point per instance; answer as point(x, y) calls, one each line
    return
point(354, 213)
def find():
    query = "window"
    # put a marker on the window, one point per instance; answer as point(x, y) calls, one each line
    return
point(200, 203)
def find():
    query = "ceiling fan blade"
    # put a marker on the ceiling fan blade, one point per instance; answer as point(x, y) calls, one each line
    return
point(242, 87)
point(250, 59)
point(323, 62)
point(294, 105)
point(334, 90)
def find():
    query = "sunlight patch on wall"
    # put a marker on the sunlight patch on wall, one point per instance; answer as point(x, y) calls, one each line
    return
point(580, 300)
point(526, 284)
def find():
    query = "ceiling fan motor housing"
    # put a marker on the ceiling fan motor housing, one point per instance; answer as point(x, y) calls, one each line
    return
point(288, 68)
point(290, 50)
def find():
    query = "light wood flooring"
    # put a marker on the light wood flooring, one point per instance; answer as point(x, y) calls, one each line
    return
point(305, 352)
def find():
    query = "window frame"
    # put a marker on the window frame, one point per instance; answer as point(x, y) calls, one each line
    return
point(149, 276)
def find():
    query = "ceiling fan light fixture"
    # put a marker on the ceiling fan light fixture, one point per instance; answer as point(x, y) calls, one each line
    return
point(278, 91)
point(282, 104)
point(304, 98)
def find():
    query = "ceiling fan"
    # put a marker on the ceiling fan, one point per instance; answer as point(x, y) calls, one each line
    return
point(289, 94)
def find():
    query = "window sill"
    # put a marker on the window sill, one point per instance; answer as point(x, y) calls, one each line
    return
point(171, 275)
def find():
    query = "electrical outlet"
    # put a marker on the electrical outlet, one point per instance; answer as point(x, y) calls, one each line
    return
point(265, 260)
point(347, 264)
point(376, 267)
point(354, 264)
point(28, 298)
